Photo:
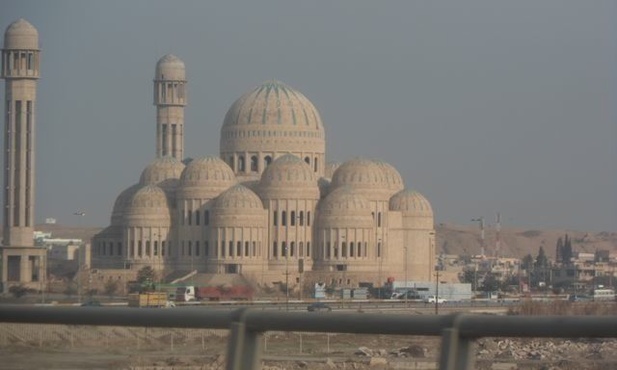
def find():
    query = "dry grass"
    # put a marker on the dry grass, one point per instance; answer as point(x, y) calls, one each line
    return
point(564, 308)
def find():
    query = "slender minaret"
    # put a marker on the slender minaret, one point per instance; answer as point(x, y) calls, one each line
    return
point(170, 100)
point(22, 262)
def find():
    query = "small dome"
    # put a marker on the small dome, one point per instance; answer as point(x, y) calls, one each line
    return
point(164, 172)
point(205, 178)
point(393, 177)
point(121, 203)
point(331, 167)
point(411, 203)
point(289, 172)
point(21, 35)
point(359, 172)
point(170, 67)
point(238, 197)
point(148, 207)
point(345, 207)
point(344, 200)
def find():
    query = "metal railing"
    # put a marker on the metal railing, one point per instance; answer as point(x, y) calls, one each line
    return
point(247, 326)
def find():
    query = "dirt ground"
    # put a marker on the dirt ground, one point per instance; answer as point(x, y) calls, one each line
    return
point(26, 346)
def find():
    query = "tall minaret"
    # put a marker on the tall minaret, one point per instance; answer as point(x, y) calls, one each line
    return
point(170, 100)
point(21, 261)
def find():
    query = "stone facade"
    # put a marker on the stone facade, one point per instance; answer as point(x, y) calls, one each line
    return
point(22, 262)
point(269, 207)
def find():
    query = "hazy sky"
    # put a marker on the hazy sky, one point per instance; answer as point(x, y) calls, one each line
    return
point(483, 106)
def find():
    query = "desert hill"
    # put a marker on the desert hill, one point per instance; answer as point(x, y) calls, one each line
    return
point(454, 239)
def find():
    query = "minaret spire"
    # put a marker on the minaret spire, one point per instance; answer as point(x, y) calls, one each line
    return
point(170, 100)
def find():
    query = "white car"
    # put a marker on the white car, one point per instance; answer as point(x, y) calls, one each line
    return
point(433, 299)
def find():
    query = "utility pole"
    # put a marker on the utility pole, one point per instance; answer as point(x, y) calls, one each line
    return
point(437, 292)
point(286, 277)
point(406, 290)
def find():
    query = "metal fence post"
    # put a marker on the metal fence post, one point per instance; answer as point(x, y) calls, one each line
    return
point(244, 347)
point(455, 349)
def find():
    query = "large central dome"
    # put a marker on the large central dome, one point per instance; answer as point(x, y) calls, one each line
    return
point(267, 122)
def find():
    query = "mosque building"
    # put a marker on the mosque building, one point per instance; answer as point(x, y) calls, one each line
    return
point(270, 207)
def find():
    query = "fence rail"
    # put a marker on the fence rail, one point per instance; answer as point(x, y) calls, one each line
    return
point(247, 326)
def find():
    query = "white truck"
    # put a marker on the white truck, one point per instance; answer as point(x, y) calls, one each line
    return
point(434, 299)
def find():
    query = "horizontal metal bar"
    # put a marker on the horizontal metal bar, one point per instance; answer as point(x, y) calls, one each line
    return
point(118, 316)
point(475, 326)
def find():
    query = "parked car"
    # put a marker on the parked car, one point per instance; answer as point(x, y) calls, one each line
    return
point(92, 303)
point(433, 299)
point(319, 306)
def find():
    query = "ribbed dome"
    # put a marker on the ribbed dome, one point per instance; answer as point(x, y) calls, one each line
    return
point(345, 207)
point(274, 104)
point(170, 67)
point(164, 172)
point(393, 177)
point(273, 118)
point(205, 178)
point(289, 173)
point(331, 167)
point(411, 203)
point(121, 203)
point(344, 200)
point(21, 35)
point(238, 197)
point(361, 173)
point(148, 207)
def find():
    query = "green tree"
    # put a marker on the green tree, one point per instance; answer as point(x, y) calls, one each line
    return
point(469, 276)
point(146, 277)
point(490, 283)
point(527, 262)
point(110, 288)
point(541, 259)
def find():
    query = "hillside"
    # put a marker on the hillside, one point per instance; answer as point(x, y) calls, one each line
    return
point(455, 239)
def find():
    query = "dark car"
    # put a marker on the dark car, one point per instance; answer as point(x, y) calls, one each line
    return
point(319, 306)
point(91, 304)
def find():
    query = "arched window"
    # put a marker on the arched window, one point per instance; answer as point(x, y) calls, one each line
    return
point(292, 248)
point(378, 249)
point(132, 248)
point(307, 160)
point(351, 249)
point(223, 250)
point(197, 248)
point(239, 249)
point(206, 217)
point(254, 163)
point(231, 248)
point(379, 219)
point(206, 248)
point(308, 218)
point(315, 164)
point(292, 220)
point(267, 161)
point(301, 249)
point(284, 218)
point(275, 217)
point(328, 250)
point(156, 247)
point(284, 249)
point(190, 248)
point(231, 163)
point(189, 216)
point(254, 249)
point(163, 248)
point(344, 250)
point(197, 217)
point(241, 167)
point(275, 249)
point(308, 249)
point(139, 248)
point(360, 249)
point(301, 218)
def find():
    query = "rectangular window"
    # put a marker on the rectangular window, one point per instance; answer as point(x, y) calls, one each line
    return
point(292, 249)
point(308, 218)
point(119, 248)
point(197, 247)
point(156, 247)
point(239, 249)
point(284, 249)
point(163, 248)
point(284, 218)
point(254, 249)
point(275, 218)
point(351, 249)
point(197, 217)
point(328, 250)
point(189, 216)
point(206, 248)
point(308, 249)
point(223, 248)
point(190, 248)
point(301, 218)
point(231, 248)
point(206, 217)
point(292, 221)
point(379, 219)
point(246, 249)
point(275, 250)
point(378, 249)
